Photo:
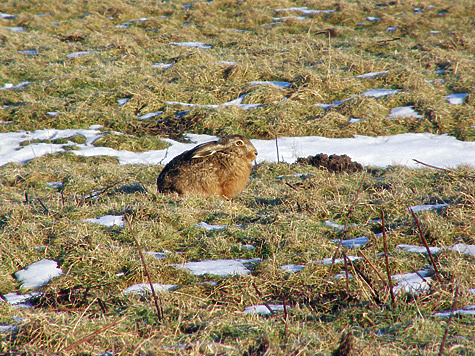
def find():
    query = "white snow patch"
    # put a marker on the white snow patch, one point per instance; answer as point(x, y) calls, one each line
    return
point(404, 111)
point(210, 227)
point(55, 185)
point(130, 22)
point(465, 249)
point(29, 51)
point(383, 151)
point(262, 309)
point(372, 19)
point(378, 93)
point(419, 208)
point(163, 65)
point(392, 29)
point(80, 54)
point(456, 99)
point(334, 225)
point(122, 102)
point(108, 220)
point(468, 310)
point(304, 10)
point(353, 243)
point(284, 18)
point(191, 44)
point(223, 268)
point(21, 300)
point(235, 102)
point(228, 63)
point(144, 288)
point(9, 86)
point(298, 175)
point(411, 282)
point(291, 268)
point(353, 120)
point(159, 255)
point(6, 16)
point(281, 85)
point(342, 274)
point(16, 29)
point(150, 115)
point(38, 274)
point(418, 249)
point(328, 261)
point(371, 75)
point(8, 328)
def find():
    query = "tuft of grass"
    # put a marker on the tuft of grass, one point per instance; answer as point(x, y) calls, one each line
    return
point(130, 143)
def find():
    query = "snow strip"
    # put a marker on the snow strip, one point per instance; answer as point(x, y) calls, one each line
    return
point(210, 227)
point(108, 220)
point(404, 111)
point(223, 268)
point(382, 151)
point(468, 310)
point(411, 282)
point(328, 261)
point(352, 243)
point(38, 274)
point(144, 288)
point(21, 300)
point(291, 268)
point(418, 249)
point(465, 249)
point(419, 208)
point(371, 75)
point(262, 309)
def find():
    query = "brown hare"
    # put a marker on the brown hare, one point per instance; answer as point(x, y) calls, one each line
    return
point(213, 168)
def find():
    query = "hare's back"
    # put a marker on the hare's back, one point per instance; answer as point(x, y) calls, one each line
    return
point(196, 176)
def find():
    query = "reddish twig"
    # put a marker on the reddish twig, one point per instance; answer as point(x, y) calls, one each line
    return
point(347, 277)
point(350, 210)
point(108, 326)
point(372, 266)
point(436, 270)
point(158, 304)
point(260, 296)
point(365, 278)
point(442, 344)
point(286, 316)
point(430, 166)
point(390, 283)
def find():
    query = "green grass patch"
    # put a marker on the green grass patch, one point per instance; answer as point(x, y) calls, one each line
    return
point(130, 143)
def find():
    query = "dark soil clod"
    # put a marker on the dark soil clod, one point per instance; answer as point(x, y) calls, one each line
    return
point(333, 163)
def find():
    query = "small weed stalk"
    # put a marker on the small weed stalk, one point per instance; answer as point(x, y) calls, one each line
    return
point(157, 301)
point(263, 302)
point(444, 338)
point(390, 283)
point(424, 241)
point(277, 146)
point(343, 233)
point(91, 335)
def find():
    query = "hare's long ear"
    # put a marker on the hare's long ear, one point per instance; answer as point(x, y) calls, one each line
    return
point(206, 149)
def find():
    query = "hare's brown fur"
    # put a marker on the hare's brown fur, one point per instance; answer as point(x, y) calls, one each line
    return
point(214, 168)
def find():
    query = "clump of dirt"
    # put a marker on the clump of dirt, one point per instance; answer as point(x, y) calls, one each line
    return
point(333, 163)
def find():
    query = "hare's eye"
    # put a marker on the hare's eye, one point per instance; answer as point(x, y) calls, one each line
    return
point(239, 143)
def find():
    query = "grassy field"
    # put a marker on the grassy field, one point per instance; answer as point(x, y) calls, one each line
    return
point(427, 49)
